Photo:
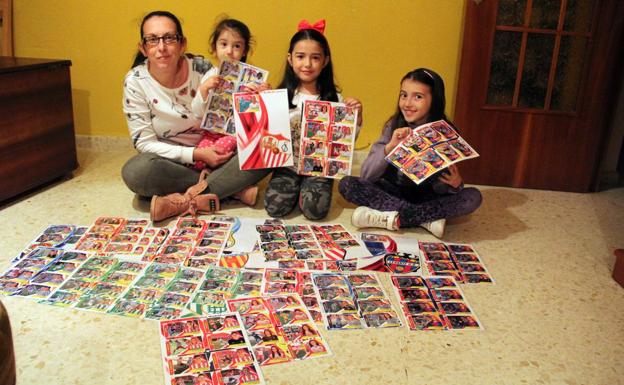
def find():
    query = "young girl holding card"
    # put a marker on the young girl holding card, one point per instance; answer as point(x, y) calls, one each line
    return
point(231, 40)
point(402, 203)
point(308, 76)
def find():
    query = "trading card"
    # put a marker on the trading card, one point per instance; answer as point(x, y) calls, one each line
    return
point(119, 277)
point(408, 282)
point(463, 257)
point(472, 267)
point(301, 236)
point(447, 295)
point(77, 286)
point(334, 293)
point(344, 321)
point(419, 307)
point(279, 255)
point(425, 322)
point(375, 305)
point(255, 321)
point(447, 151)
point(272, 354)
point(441, 283)
point(413, 294)
point(454, 307)
point(478, 278)
point(128, 308)
point(182, 287)
point(62, 298)
point(309, 254)
point(463, 322)
point(340, 133)
point(8, 287)
point(89, 274)
point(326, 280)
point(145, 295)
point(341, 306)
point(298, 332)
point(437, 256)
point(95, 303)
point(368, 292)
point(382, 319)
point(291, 264)
point(174, 299)
point(51, 279)
point(317, 110)
point(105, 289)
point(162, 270)
point(362, 279)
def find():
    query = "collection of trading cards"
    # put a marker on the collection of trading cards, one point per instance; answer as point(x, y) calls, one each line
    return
point(263, 129)
point(99, 234)
point(195, 243)
point(433, 303)
point(459, 261)
point(58, 236)
point(208, 351)
point(235, 75)
point(280, 328)
point(319, 245)
point(217, 286)
point(327, 139)
point(354, 301)
point(136, 238)
point(431, 147)
point(40, 272)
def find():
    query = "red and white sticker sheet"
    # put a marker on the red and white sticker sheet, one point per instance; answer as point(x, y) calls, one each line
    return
point(328, 133)
point(211, 350)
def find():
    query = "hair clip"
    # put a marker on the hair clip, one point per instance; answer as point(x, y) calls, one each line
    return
point(427, 72)
point(318, 26)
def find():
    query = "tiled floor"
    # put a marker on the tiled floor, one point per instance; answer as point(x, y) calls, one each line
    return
point(554, 315)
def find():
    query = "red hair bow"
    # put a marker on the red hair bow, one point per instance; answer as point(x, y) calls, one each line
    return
point(318, 26)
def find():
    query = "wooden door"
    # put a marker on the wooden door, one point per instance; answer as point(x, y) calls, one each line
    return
point(536, 89)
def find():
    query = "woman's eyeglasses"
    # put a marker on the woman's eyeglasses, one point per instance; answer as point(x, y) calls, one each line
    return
point(168, 39)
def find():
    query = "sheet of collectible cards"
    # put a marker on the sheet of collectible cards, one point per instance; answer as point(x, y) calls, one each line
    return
point(130, 237)
point(354, 301)
point(430, 148)
point(433, 303)
point(211, 350)
point(263, 129)
point(58, 236)
point(460, 261)
point(40, 272)
point(328, 133)
point(280, 328)
point(195, 243)
point(320, 246)
point(236, 75)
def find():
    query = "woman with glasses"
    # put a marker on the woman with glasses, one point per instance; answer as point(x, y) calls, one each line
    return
point(158, 91)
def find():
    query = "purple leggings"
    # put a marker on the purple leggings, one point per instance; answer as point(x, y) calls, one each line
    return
point(413, 211)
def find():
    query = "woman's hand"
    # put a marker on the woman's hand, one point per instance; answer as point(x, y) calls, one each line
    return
point(255, 87)
point(452, 177)
point(357, 105)
point(398, 136)
point(210, 84)
point(212, 156)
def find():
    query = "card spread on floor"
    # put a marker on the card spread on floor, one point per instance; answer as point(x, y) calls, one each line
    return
point(280, 328)
point(208, 350)
point(433, 303)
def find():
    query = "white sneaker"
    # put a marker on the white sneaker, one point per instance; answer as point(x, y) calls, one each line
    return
point(436, 227)
point(366, 217)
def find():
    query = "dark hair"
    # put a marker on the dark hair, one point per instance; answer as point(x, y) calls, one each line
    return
point(139, 57)
point(235, 25)
point(438, 100)
point(325, 83)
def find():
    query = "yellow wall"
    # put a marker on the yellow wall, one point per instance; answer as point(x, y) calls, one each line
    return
point(374, 43)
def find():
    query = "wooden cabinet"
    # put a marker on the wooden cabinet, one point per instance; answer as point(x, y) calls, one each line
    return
point(37, 141)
